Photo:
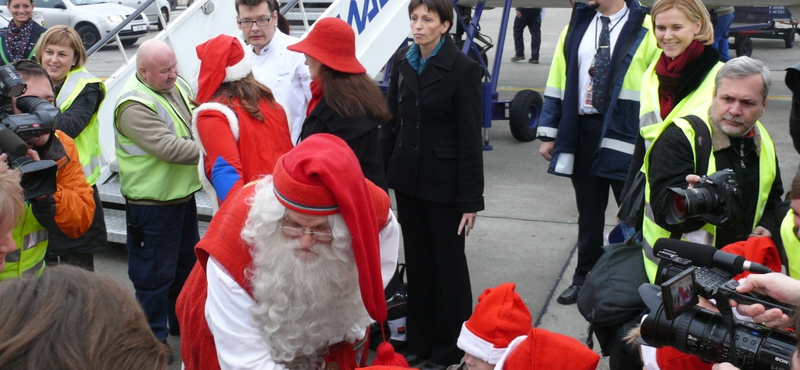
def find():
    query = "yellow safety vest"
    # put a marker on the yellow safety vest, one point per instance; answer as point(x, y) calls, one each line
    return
point(652, 232)
point(791, 245)
point(142, 175)
point(88, 142)
point(697, 102)
point(31, 240)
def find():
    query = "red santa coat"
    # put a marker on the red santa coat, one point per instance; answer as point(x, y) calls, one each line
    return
point(237, 148)
point(223, 242)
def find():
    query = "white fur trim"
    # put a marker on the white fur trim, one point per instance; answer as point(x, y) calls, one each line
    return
point(288, 117)
point(233, 122)
point(476, 346)
point(239, 70)
point(511, 346)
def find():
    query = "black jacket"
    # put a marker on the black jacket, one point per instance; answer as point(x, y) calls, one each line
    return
point(432, 145)
point(361, 134)
point(36, 32)
point(671, 159)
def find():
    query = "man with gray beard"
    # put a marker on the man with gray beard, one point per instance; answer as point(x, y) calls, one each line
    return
point(739, 143)
point(291, 270)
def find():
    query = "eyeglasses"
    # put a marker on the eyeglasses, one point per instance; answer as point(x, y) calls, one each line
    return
point(259, 22)
point(297, 232)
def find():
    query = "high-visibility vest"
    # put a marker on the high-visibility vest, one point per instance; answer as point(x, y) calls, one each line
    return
point(697, 102)
point(31, 240)
point(791, 245)
point(142, 175)
point(88, 141)
point(707, 234)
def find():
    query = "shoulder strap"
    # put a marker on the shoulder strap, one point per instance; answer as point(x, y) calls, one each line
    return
point(702, 139)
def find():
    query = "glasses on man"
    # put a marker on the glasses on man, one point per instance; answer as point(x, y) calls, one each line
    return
point(261, 22)
point(324, 236)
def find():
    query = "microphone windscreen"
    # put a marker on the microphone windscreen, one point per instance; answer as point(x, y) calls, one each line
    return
point(699, 254)
point(12, 143)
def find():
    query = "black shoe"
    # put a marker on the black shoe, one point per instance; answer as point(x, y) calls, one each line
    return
point(413, 359)
point(570, 295)
point(533, 61)
point(517, 58)
point(433, 366)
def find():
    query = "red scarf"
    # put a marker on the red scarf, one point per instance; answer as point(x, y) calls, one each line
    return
point(316, 96)
point(669, 74)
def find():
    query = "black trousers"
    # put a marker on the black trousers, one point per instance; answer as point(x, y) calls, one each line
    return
point(591, 196)
point(531, 18)
point(439, 291)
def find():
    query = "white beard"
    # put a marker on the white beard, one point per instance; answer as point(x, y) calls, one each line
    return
point(305, 300)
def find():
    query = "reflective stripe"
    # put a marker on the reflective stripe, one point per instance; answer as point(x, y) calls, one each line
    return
point(162, 111)
point(71, 83)
point(546, 131)
point(34, 270)
point(648, 119)
point(89, 169)
point(629, 95)
point(565, 163)
point(30, 240)
point(132, 149)
point(554, 92)
point(617, 145)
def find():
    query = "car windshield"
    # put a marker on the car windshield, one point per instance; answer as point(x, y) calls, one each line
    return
point(87, 2)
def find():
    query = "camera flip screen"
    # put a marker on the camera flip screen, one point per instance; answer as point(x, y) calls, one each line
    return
point(679, 294)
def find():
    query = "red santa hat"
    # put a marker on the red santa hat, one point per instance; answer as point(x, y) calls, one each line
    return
point(321, 176)
point(545, 350)
point(499, 318)
point(222, 59)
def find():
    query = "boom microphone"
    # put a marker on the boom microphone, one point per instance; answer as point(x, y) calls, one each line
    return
point(12, 143)
point(708, 256)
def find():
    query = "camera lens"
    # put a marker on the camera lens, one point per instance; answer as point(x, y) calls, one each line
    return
point(678, 206)
point(688, 203)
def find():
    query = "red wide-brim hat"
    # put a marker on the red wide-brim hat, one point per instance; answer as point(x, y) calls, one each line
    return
point(333, 43)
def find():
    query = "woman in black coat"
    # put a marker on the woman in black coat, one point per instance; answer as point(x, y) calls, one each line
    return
point(344, 101)
point(434, 155)
point(19, 38)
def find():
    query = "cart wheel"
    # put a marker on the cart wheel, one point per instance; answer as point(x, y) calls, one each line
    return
point(744, 47)
point(523, 115)
point(789, 40)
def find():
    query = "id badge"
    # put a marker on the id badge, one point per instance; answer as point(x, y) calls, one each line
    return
point(588, 101)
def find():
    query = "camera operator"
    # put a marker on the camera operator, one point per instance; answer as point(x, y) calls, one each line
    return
point(59, 217)
point(739, 142)
point(777, 286)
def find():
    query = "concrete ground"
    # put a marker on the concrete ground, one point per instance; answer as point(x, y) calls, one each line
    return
point(528, 231)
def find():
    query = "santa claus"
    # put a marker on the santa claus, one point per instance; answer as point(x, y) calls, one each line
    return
point(289, 274)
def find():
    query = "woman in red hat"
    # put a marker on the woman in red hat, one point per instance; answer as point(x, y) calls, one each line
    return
point(434, 156)
point(242, 129)
point(344, 101)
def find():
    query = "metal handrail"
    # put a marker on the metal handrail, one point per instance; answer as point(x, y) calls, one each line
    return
point(124, 23)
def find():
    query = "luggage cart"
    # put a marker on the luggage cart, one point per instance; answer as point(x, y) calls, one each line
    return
point(763, 22)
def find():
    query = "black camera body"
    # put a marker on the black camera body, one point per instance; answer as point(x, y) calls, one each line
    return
point(38, 178)
point(711, 199)
point(675, 319)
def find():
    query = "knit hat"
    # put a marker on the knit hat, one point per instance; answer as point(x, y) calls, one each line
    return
point(222, 59)
point(545, 350)
point(333, 43)
point(321, 176)
point(499, 317)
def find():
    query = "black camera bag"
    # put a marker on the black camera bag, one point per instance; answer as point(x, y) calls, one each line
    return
point(396, 311)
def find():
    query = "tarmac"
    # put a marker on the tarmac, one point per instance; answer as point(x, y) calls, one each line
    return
point(528, 231)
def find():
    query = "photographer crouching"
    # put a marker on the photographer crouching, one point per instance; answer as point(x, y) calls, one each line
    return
point(729, 205)
point(59, 203)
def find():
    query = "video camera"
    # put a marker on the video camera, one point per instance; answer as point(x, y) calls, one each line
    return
point(675, 320)
point(711, 199)
point(37, 177)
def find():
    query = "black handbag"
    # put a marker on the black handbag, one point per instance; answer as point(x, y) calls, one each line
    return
point(396, 312)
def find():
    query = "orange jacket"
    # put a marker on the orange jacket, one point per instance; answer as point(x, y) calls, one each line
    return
point(70, 209)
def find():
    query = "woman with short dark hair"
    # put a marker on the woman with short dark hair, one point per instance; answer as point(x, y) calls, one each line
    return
point(434, 155)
